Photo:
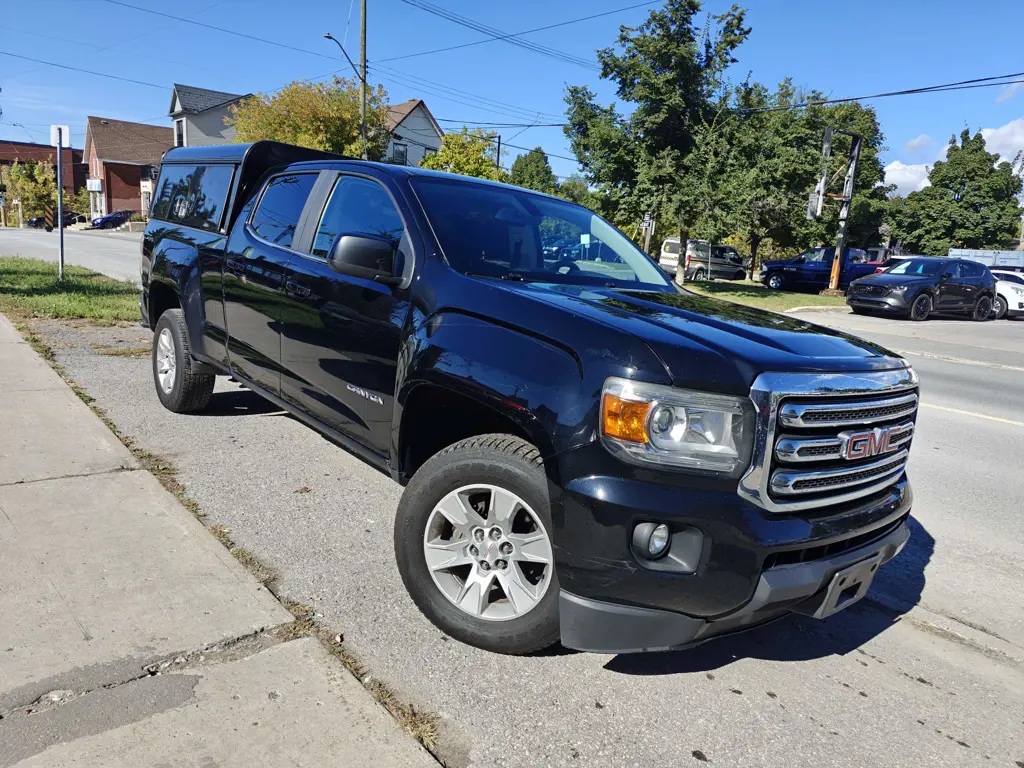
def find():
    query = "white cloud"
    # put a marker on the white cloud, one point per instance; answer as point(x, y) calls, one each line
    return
point(917, 144)
point(1010, 91)
point(907, 178)
point(1007, 140)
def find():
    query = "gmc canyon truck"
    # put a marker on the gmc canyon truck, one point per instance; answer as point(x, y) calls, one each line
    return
point(589, 453)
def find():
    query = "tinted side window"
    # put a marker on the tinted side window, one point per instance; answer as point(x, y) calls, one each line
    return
point(357, 207)
point(172, 190)
point(277, 214)
point(952, 268)
point(207, 197)
point(972, 269)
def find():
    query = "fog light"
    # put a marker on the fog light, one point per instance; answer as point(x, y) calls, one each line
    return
point(651, 540)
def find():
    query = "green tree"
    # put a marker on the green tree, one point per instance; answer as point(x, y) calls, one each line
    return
point(321, 116)
point(971, 203)
point(471, 153)
point(35, 184)
point(669, 70)
point(533, 171)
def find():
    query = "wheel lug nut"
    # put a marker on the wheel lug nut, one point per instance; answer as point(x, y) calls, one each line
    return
point(478, 534)
point(473, 551)
point(506, 548)
point(484, 565)
point(501, 565)
point(495, 534)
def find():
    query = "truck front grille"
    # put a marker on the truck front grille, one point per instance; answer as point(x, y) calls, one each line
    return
point(829, 439)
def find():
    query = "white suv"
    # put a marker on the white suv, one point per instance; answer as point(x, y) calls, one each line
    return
point(1009, 294)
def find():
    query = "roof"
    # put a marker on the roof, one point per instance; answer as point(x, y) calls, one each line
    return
point(397, 113)
point(237, 153)
point(195, 100)
point(119, 141)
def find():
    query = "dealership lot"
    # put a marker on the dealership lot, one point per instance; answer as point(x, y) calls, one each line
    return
point(929, 668)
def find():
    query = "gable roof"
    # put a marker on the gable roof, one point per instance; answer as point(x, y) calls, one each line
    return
point(119, 141)
point(194, 100)
point(397, 113)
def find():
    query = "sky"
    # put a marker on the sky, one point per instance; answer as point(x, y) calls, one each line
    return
point(842, 49)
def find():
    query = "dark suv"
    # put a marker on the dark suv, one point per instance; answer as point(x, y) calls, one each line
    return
point(589, 453)
point(919, 287)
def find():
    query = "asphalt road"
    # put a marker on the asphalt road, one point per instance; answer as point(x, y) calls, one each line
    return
point(928, 671)
point(112, 253)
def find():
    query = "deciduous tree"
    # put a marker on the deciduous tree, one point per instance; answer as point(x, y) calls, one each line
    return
point(471, 153)
point(321, 116)
point(35, 184)
point(533, 171)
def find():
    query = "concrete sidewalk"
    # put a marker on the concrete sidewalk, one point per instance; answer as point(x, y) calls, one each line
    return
point(128, 635)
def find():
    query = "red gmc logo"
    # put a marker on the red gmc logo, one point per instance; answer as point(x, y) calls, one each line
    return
point(863, 445)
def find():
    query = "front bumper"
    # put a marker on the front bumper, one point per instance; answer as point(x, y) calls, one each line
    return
point(894, 302)
point(603, 627)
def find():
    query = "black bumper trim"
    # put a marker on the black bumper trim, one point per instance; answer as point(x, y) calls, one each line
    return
point(601, 627)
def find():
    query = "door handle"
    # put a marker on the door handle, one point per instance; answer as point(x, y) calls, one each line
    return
point(296, 289)
point(236, 266)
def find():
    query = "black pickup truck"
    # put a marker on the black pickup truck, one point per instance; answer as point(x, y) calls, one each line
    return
point(589, 453)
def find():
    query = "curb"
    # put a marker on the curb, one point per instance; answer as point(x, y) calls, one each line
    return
point(816, 309)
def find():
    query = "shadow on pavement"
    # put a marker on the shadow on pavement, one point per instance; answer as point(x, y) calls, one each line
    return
point(241, 402)
point(896, 590)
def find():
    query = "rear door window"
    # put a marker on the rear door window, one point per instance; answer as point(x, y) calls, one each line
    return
point(972, 269)
point(193, 195)
point(277, 215)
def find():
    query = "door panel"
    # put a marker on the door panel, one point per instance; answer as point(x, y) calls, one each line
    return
point(951, 290)
point(255, 275)
point(341, 335)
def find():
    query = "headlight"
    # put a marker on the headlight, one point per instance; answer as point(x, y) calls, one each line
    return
point(676, 428)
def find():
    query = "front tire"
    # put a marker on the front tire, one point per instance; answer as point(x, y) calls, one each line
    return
point(774, 281)
point(982, 309)
point(921, 308)
point(699, 275)
point(1000, 308)
point(179, 389)
point(473, 544)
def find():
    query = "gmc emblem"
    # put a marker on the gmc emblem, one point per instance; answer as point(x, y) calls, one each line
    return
point(863, 445)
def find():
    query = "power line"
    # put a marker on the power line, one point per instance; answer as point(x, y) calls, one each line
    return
point(500, 125)
point(518, 34)
point(497, 34)
point(86, 71)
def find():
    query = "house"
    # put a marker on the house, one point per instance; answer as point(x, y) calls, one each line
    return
point(74, 170)
point(414, 133)
point(198, 116)
point(123, 160)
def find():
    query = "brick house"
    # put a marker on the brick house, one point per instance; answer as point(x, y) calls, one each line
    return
point(123, 160)
point(74, 169)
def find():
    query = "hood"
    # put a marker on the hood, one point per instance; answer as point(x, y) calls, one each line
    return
point(716, 345)
point(775, 263)
point(890, 280)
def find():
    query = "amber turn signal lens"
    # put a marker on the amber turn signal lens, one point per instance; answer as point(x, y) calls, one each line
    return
point(624, 419)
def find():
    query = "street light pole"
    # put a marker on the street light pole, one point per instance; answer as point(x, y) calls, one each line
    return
point(361, 76)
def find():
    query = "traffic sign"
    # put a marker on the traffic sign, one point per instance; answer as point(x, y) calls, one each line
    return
point(62, 131)
point(48, 217)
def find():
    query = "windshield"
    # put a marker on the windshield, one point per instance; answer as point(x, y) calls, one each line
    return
point(918, 267)
point(505, 233)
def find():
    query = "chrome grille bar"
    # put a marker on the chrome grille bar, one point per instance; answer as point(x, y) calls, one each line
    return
point(841, 414)
point(797, 482)
point(791, 449)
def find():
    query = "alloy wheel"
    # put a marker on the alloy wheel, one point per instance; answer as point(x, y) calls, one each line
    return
point(488, 552)
point(166, 362)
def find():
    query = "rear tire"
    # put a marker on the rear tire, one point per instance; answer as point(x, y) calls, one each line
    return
point(982, 309)
point(473, 481)
point(921, 308)
point(700, 274)
point(179, 389)
point(1000, 308)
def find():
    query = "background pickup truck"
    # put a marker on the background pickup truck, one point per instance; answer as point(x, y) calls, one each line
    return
point(812, 269)
point(590, 454)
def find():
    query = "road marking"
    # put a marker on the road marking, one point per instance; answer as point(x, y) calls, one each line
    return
point(961, 360)
point(972, 413)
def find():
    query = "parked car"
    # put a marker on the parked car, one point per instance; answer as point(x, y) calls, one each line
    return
point(812, 269)
point(589, 453)
point(702, 260)
point(917, 288)
point(70, 217)
point(1009, 300)
point(112, 220)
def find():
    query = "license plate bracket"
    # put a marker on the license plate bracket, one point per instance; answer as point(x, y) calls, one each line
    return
point(848, 586)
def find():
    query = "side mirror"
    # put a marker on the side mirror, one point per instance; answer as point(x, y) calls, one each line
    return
point(370, 258)
point(947, 275)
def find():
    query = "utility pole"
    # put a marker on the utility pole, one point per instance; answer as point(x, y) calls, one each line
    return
point(362, 74)
point(817, 199)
